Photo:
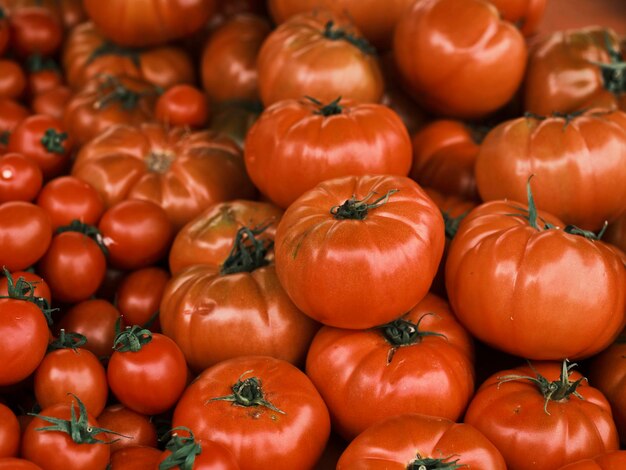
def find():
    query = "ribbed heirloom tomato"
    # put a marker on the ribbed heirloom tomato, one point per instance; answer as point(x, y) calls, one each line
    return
point(359, 251)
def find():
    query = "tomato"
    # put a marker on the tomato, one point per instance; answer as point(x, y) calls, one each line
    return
point(198, 303)
point(578, 162)
point(187, 452)
point(319, 55)
point(228, 64)
point(22, 320)
point(296, 144)
point(88, 54)
point(12, 79)
point(70, 371)
point(11, 113)
point(9, 433)
point(419, 363)
point(365, 225)
point(464, 65)
point(146, 361)
point(42, 138)
point(139, 295)
point(525, 14)
point(54, 449)
point(44, 74)
point(5, 33)
point(543, 416)
point(105, 101)
point(182, 105)
point(414, 440)
point(34, 30)
point(184, 172)
point(122, 420)
point(20, 178)
point(608, 461)
point(52, 102)
point(208, 238)
point(136, 233)
point(25, 234)
point(135, 458)
point(40, 287)
point(444, 155)
point(75, 263)
point(96, 320)
point(149, 22)
point(17, 464)
point(68, 12)
point(234, 119)
point(266, 411)
point(574, 70)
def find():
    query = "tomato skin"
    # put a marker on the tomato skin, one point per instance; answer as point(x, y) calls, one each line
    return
point(74, 267)
point(314, 248)
point(125, 421)
point(25, 234)
point(9, 433)
point(34, 30)
point(253, 434)
point(430, 46)
point(12, 79)
point(43, 80)
point(10, 463)
point(390, 444)
point(578, 165)
point(135, 458)
point(20, 178)
point(139, 296)
point(182, 105)
point(41, 287)
point(5, 32)
point(433, 376)
point(75, 371)
point(11, 113)
point(294, 146)
point(297, 60)
point(159, 366)
point(52, 102)
point(511, 414)
point(608, 461)
point(55, 450)
point(525, 14)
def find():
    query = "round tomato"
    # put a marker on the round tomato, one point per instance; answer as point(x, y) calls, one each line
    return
point(525, 14)
point(609, 461)
point(135, 458)
point(182, 105)
point(319, 55)
point(52, 102)
point(35, 30)
point(184, 451)
point(146, 361)
point(138, 427)
point(358, 252)
point(139, 295)
point(463, 65)
point(12, 79)
point(9, 433)
point(297, 144)
point(266, 411)
point(20, 178)
point(543, 416)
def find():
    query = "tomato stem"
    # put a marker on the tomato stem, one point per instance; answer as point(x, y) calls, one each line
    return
point(87, 230)
point(337, 34)
point(401, 332)
point(52, 141)
point(331, 109)
point(112, 90)
point(452, 223)
point(355, 209)
point(184, 450)
point(38, 63)
point(67, 341)
point(24, 290)
point(248, 253)
point(248, 392)
point(132, 339)
point(614, 72)
point(426, 463)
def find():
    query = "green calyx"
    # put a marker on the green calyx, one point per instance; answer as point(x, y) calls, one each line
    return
point(132, 339)
point(248, 252)
point(451, 224)
point(24, 290)
point(87, 230)
point(337, 34)
point(425, 463)
point(400, 332)
point(109, 48)
point(558, 390)
point(52, 141)
point(613, 72)
point(113, 91)
point(183, 450)
point(248, 392)
point(67, 340)
point(355, 209)
point(331, 109)
point(38, 63)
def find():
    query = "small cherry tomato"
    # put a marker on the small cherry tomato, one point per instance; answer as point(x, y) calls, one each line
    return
point(20, 178)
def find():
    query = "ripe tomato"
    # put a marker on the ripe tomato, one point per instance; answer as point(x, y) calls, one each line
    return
point(525, 14)
point(228, 64)
point(11, 113)
point(365, 225)
point(9, 433)
point(419, 363)
point(122, 420)
point(5, 33)
point(10, 463)
point(184, 451)
point(420, 441)
point(609, 461)
point(531, 414)
point(135, 458)
point(25, 234)
point(464, 65)
point(146, 361)
point(52, 102)
point(320, 55)
point(296, 144)
point(69, 12)
point(266, 411)
point(20, 178)
point(40, 286)
point(12, 79)
point(44, 74)
point(182, 105)
point(139, 295)
point(34, 30)
point(136, 233)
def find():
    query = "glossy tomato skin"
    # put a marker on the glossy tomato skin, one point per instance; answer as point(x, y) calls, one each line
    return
point(52, 102)
point(182, 105)
point(295, 145)
point(454, 66)
point(609, 461)
point(258, 436)
point(392, 443)
point(578, 165)
point(297, 59)
point(10, 463)
point(35, 30)
point(20, 178)
point(159, 366)
point(433, 376)
point(77, 371)
point(25, 234)
point(184, 172)
point(12, 79)
point(395, 250)
point(9, 433)
point(139, 296)
point(525, 14)
point(512, 414)
point(135, 458)
point(54, 450)
point(138, 427)
point(496, 255)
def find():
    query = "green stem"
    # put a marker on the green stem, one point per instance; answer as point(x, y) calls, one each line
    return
point(248, 253)
point(24, 290)
point(614, 72)
point(331, 109)
point(38, 63)
point(355, 209)
point(400, 332)
point(132, 339)
point(52, 141)
point(425, 463)
point(183, 450)
point(338, 34)
point(87, 230)
point(112, 90)
point(248, 392)
point(67, 341)
point(452, 223)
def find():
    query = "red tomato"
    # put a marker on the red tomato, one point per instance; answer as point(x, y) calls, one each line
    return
point(44, 74)
point(365, 225)
point(52, 102)
point(136, 233)
point(122, 420)
point(11, 114)
point(525, 14)
point(182, 105)
point(266, 411)
point(40, 286)
point(139, 296)
point(20, 178)
point(297, 144)
point(25, 234)
point(543, 416)
point(135, 458)
point(12, 79)
point(154, 363)
point(5, 33)
point(17, 464)
point(609, 461)
point(9, 433)
point(35, 30)
point(187, 452)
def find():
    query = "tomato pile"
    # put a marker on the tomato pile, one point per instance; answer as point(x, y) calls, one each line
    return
point(313, 234)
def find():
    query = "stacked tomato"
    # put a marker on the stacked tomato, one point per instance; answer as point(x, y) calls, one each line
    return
point(310, 235)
